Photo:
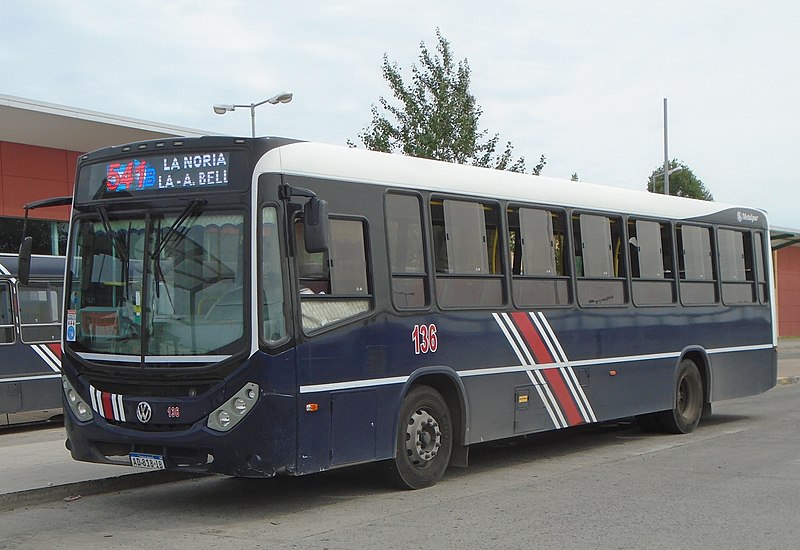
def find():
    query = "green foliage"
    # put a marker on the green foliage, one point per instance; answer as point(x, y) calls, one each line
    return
point(682, 183)
point(574, 177)
point(436, 116)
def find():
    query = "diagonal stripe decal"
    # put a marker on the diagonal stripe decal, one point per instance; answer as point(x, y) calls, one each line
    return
point(535, 343)
point(568, 372)
point(108, 405)
point(532, 338)
point(565, 397)
point(47, 356)
point(525, 358)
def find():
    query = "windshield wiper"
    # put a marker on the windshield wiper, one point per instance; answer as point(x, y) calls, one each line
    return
point(122, 251)
point(176, 226)
point(161, 243)
point(103, 213)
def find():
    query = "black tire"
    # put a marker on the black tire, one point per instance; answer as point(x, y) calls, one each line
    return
point(424, 440)
point(689, 401)
point(649, 422)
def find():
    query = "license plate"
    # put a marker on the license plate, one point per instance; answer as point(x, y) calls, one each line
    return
point(151, 462)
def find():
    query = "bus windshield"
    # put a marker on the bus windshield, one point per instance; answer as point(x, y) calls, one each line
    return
point(157, 286)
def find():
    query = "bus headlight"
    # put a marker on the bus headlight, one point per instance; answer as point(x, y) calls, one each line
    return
point(234, 409)
point(76, 404)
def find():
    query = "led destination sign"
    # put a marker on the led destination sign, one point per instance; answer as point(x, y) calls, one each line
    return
point(169, 172)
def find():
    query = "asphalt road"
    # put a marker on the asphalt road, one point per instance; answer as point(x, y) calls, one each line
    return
point(734, 483)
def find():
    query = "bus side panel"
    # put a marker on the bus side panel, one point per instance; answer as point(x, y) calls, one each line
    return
point(28, 382)
point(348, 423)
point(40, 394)
point(743, 373)
point(503, 406)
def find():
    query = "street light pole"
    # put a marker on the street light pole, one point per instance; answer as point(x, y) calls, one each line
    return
point(666, 154)
point(284, 97)
point(656, 174)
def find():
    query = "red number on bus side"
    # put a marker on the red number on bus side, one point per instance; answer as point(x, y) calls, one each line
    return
point(425, 339)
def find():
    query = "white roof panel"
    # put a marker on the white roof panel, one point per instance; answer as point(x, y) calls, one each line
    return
point(369, 167)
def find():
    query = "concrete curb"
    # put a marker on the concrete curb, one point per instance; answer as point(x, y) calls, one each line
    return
point(30, 497)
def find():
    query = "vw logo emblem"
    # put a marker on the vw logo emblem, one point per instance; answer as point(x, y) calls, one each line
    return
point(144, 412)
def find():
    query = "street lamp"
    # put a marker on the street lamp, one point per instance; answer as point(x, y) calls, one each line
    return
point(669, 173)
point(284, 97)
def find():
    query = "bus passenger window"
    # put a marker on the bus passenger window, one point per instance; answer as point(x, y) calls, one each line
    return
point(468, 253)
point(406, 252)
point(736, 266)
point(333, 285)
point(6, 315)
point(652, 275)
point(538, 257)
point(761, 268)
point(695, 265)
point(40, 311)
point(599, 260)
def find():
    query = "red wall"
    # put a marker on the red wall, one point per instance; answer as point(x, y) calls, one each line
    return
point(788, 271)
point(29, 173)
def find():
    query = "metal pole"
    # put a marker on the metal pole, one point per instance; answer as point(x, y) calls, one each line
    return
point(666, 154)
point(253, 119)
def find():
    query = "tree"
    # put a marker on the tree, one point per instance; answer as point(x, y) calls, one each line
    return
point(437, 117)
point(682, 182)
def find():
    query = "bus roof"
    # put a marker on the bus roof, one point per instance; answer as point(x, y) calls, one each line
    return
point(369, 167)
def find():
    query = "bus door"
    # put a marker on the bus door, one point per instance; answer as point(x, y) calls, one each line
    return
point(337, 416)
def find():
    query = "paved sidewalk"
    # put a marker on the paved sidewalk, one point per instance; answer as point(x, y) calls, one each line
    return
point(788, 360)
point(36, 467)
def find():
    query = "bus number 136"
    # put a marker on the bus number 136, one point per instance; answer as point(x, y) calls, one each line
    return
point(425, 340)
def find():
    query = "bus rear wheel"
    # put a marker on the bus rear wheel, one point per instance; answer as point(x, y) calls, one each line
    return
point(424, 440)
point(689, 401)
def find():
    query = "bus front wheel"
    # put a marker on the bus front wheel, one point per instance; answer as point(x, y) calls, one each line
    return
point(424, 440)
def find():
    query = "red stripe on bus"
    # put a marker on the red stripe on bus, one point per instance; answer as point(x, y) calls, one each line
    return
point(565, 398)
point(532, 337)
point(55, 348)
point(108, 408)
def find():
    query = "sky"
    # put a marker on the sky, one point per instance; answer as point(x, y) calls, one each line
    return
point(582, 82)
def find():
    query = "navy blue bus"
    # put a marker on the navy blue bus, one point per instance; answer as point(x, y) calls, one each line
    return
point(30, 340)
point(255, 307)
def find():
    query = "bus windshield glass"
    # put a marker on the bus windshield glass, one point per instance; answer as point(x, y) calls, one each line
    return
point(161, 285)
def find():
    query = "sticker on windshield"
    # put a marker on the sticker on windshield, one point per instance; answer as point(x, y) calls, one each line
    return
point(71, 317)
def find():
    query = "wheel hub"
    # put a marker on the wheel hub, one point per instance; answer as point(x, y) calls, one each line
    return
point(423, 438)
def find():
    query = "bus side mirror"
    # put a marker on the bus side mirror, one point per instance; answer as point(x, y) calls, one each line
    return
point(317, 228)
point(24, 265)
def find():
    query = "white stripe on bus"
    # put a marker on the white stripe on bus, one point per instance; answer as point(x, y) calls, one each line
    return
point(508, 369)
point(45, 357)
point(93, 395)
point(45, 348)
point(121, 408)
point(153, 358)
